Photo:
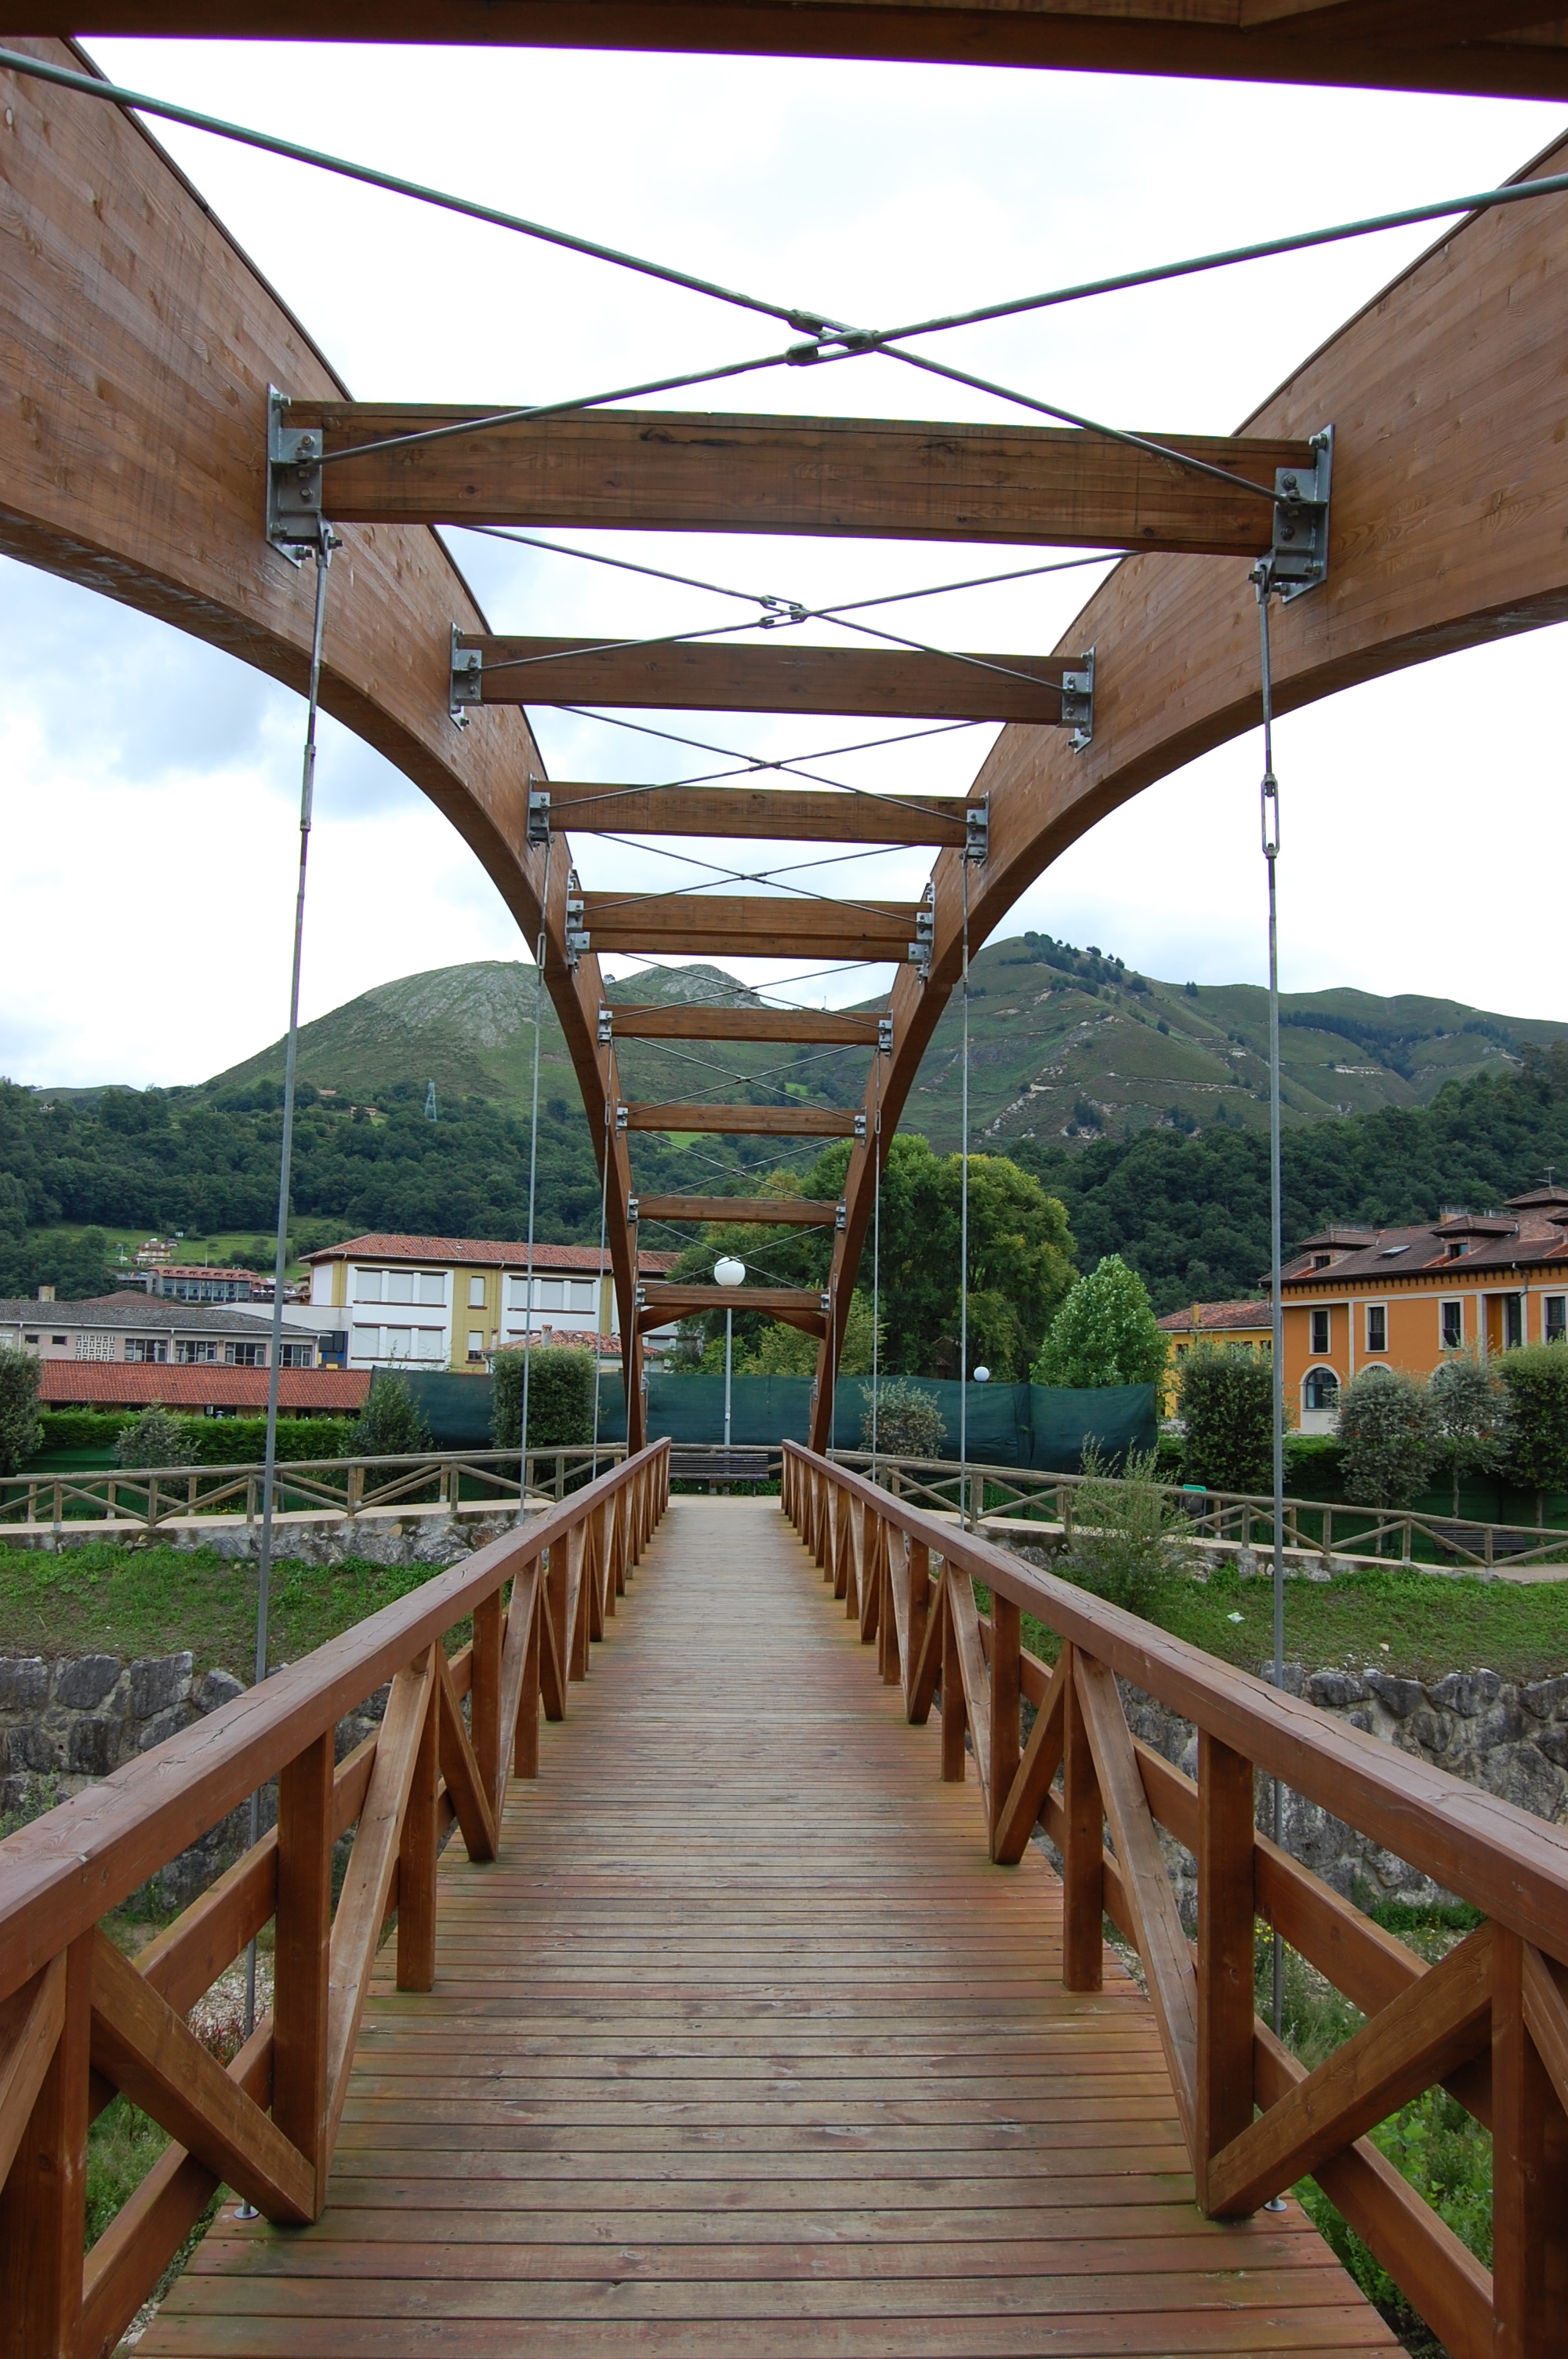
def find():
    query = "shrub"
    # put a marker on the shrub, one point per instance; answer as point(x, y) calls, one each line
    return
point(21, 1427)
point(1474, 1416)
point(1227, 1405)
point(1129, 1544)
point(154, 1439)
point(390, 1425)
point(1388, 1426)
point(910, 1423)
point(1537, 1384)
point(1105, 1333)
point(560, 1398)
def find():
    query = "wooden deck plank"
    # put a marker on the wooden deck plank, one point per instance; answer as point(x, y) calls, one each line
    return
point(743, 2049)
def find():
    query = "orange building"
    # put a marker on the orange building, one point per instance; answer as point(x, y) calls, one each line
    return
point(1360, 1297)
point(1247, 1324)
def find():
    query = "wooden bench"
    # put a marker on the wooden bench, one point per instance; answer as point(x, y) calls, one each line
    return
point(704, 1462)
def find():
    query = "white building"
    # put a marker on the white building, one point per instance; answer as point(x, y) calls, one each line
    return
point(450, 1302)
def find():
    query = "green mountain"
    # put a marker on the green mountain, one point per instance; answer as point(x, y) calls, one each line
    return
point(1065, 1047)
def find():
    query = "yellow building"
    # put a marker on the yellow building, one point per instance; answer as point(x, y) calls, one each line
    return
point(1362, 1298)
point(1245, 1324)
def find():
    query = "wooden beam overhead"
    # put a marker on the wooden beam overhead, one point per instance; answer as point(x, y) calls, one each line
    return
point(675, 1302)
point(782, 676)
point(773, 814)
point(766, 1211)
point(878, 479)
point(789, 1025)
point(727, 924)
point(1467, 46)
point(746, 1122)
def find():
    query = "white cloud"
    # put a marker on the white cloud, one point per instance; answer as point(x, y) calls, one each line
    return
point(150, 784)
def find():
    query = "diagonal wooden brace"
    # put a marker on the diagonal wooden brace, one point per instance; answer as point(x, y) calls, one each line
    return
point(30, 2024)
point(460, 1769)
point(1025, 1797)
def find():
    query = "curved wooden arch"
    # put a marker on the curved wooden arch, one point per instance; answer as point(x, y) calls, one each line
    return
point(133, 463)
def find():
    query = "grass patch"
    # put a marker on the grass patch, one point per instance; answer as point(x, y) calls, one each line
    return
point(1415, 1624)
point(108, 1598)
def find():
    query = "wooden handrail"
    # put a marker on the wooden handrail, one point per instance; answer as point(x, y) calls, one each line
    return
point(1490, 2024)
point(79, 2021)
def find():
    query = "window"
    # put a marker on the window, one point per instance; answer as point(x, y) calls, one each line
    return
point(367, 1285)
point(297, 1355)
point(431, 1288)
point(93, 1347)
point(476, 1342)
point(57, 1339)
point(1320, 1261)
point(583, 1293)
point(191, 1354)
point(1555, 1318)
point(1452, 1317)
point(150, 1348)
point(1513, 1322)
point(30, 1339)
point(476, 1294)
point(244, 1356)
point(397, 1285)
point(1321, 1390)
point(1320, 1327)
point(1377, 1327)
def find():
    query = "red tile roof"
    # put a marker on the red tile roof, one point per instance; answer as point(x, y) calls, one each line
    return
point(478, 1252)
point(106, 1384)
point(1214, 1318)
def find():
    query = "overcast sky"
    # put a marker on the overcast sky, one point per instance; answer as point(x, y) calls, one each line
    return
point(149, 784)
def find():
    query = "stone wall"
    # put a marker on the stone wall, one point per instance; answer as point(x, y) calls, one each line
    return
point(68, 1724)
point(378, 1536)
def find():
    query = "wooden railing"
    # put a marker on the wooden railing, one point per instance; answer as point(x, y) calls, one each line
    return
point(1316, 1527)
point(1490, 2023)
point(79, 2020)
point(151, 1497)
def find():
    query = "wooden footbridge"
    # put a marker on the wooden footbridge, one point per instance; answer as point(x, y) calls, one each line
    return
point(743, 2016)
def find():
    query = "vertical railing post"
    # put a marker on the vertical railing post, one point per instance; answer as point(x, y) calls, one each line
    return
point(1530, 2174)
point(1007, 1699)
point(1083, 1852)
point(954, 1714)
point(416, 1862)
point(484, 1694)
point(919, 1577)
point(857, 1542)
point(525, 1737)
point(43, 2209)
point(1226, 1916)
point(890, 1569)
point(301, 1960)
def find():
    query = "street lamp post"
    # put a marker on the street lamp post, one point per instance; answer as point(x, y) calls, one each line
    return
point(729, 1272)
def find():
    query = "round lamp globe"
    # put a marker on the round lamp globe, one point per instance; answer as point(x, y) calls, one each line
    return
point(982, 1376)
point(729, 1271)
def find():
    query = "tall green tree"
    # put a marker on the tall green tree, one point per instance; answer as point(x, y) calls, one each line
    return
point(1474, 1416)
point(1228, 1406)
point(1388, 1434)
point(21, 1427)
point(390, 1425)
point(1536, 1380)
point(1104, 1332)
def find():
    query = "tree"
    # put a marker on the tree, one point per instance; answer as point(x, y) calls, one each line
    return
point(909, 1422)
point(789, 1351)
point(21, 1428)
point(1104, 1332)
point(1227, 1405)
point(154, 1439)
point(1388, 1434)
point(561, 1379)
point(1473, 1415)
point(390, 1424)
point(1536, 1380)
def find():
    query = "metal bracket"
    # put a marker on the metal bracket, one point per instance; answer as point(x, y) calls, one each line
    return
point(621, 1117)
point(467, 679)
point(1298, 560)
point(577, 940)
point(294, 521)
point(539, 808)
point(840, 1216)
point(860, 1128)
point(633, 1211)
point(640, 1297)
point(606, 1026)
point(826, 1301)
point(1078, 700)
point(885, 1036)
point(924, 941)
point(977, 829)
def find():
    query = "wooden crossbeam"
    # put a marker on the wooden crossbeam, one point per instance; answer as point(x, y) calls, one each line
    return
point(773, 814)
point(783, 676)
point(765, 1212)
point(1419, 2037)
point(733, 925)
point(790, 1024)
point(892, 479)
point(673, 1302)
point(746, 1122)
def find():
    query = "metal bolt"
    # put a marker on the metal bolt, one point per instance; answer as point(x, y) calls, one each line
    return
point(1291, 486)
